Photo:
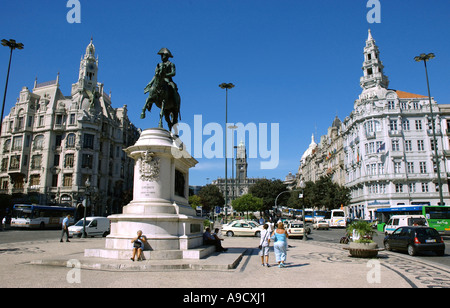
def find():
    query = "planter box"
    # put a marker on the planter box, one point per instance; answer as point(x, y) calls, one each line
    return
point(363, 250)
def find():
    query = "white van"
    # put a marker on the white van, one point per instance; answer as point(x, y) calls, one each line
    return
point(397, 221)
point(95, 226)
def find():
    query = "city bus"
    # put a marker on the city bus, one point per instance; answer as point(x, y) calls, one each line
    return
point(285, 212)
point(438, 217)
point(296, 213)
point(40, 216)
point(319, 214)
point(336, 218)
point(309, 215)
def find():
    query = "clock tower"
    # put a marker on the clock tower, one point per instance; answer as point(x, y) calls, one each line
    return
point(241, 163)
point(87, 78)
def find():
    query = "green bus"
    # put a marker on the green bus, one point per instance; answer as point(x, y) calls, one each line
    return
point(438, 217)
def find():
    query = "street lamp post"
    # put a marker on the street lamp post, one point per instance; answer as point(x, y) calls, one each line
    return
point(12, 44)
point(88, 185)
point(235, 183)
point(276, 198)
point(302, 185)
point(425, 58)
point(226, 86)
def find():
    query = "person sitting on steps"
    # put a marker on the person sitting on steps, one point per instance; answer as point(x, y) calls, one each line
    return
point(209, 239)
point(138, 245)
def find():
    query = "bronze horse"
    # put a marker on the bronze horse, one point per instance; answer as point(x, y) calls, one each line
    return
point(163, 92)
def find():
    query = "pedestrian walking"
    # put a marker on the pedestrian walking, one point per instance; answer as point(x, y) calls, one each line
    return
point(261, 220)
point(271, 226)
point(280, 237)
point(264, 245)
point(65, 228)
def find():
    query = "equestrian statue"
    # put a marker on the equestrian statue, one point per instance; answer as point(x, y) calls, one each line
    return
point(163, 92)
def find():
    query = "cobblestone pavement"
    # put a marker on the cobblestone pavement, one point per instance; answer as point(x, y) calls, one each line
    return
point(417, 273)
point(309, 264)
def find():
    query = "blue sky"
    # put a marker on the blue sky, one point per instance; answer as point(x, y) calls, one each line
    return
point(296, 63)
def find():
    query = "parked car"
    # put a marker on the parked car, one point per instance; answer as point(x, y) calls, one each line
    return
point(321, 224)
point(414, 240)
point(397, 221)
point(252, 222)
point(95, 226)
point(242, 228)
point(295, 229)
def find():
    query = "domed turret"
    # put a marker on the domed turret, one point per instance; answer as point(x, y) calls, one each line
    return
point(310, 149)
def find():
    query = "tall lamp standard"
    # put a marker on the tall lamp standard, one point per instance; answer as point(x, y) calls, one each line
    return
point(12, 45)
point(88, 186)
point(235, 183)
point(302, 185)
point(226, 86)
point(425, 58)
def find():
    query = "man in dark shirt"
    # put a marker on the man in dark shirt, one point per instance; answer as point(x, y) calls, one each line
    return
point(209, 239)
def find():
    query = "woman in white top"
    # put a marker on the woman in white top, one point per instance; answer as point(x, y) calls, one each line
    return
point(264, 245)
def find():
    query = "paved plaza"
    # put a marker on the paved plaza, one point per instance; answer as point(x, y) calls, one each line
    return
point(43, 264)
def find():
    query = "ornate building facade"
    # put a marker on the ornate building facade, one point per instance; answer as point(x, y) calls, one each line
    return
point(388, 144)
point(387, 155)
point(51, 144)
point(325, 158)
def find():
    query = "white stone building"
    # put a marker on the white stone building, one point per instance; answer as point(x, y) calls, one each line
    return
point(325, 158)
point(52, 143)
point(388, 144)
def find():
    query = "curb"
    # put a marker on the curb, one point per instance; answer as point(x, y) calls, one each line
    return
point(149, 266)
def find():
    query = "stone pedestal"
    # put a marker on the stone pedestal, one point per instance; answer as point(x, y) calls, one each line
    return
point(160, 207)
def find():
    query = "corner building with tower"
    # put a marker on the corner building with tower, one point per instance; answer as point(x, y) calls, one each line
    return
point(52, 144)
point(389, 144)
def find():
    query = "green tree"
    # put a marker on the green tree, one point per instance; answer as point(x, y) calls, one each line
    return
point(326, 194)
point(210, 196)
point(247, 203)
point(308, 195)
point(268, 190)
point(294, 201)
point(195, 201)
point(343, 195)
